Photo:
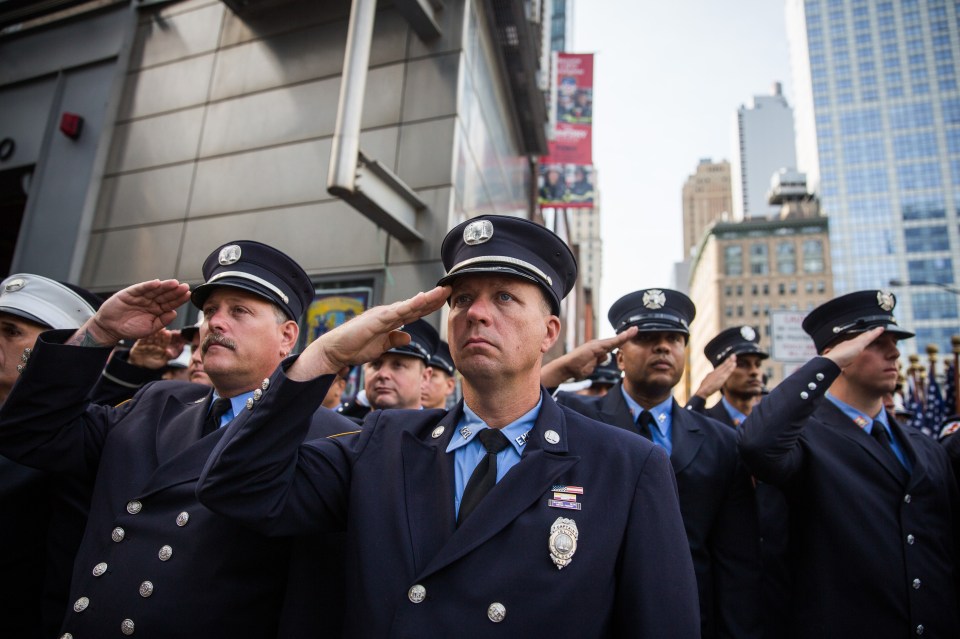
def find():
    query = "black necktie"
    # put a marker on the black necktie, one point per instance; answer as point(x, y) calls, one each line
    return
point(644, 423)
point(484, 476)
point(219, 409)
point(879, 433)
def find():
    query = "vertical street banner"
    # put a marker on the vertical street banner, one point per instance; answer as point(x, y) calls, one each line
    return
point(566, 176)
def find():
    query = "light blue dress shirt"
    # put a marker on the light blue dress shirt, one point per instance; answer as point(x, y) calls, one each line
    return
point(865, 422)
point(468, 451)
point(662, 420)
point(237, 404)
point(737, 416)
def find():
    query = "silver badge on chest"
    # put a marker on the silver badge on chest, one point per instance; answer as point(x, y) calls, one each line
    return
point(563, 541)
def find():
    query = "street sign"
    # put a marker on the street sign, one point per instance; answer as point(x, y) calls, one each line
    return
point(788, 342)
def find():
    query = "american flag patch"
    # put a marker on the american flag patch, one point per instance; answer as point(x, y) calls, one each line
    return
point(568, 489)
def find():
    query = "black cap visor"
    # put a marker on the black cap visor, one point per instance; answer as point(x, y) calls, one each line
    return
point(503, 269)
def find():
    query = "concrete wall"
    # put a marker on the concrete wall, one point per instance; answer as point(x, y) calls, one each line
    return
point(224, 132)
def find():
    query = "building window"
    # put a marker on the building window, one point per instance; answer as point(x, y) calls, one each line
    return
point(727, 290)
point(754, 290)
point(728, 310)
point(939, 305)
point(739, 310)
point(939, 270)
point(766, 289)
point(813, 256)
point(927, 238)
point(739, 290)
point(808, 286)
point(733, 259)
point(786, 258)
point(758, 259)
point(781, 288)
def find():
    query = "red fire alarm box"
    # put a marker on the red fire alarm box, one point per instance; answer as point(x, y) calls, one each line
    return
point(71, 124)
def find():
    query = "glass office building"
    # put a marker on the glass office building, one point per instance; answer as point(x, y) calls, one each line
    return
point(878, 133)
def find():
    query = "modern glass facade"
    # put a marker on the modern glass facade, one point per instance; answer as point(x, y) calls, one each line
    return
point(878, 112)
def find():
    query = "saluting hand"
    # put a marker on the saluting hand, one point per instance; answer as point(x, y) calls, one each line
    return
point(581, 361)
point(716, 378)
point(365, 337)
point(136, 311)
point(154, 351)
point(846, 351)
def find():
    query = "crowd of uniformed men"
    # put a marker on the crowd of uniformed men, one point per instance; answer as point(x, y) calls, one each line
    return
point(240, 498)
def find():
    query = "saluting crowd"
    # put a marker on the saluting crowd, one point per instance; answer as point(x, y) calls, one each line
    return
point(239, 497)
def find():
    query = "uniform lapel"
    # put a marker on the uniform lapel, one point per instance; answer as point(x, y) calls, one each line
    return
point(614, 410)
point(686, 437)
point(428, 487)
point(844, 426)
point(540, 466)
point(181, 451)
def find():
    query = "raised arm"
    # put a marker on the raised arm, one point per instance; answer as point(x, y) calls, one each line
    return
point(260, 473)
point(769, 439)
point(136, 311)
point(580, 362)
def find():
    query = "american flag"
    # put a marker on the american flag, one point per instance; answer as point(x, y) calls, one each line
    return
point(933, 412)
point(913, 405)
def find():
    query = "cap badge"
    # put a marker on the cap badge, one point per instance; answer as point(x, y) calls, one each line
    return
point(478, 232)
point(229, 255)
point(886, 300)
point(14, 285)
point(563, 541)
point(747, 333)
point(654, 299)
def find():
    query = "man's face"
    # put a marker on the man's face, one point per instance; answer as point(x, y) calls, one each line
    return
point(242, 340)
point(746, 380)
point(394, 381)
point(195, 372)
point(16, 334)
point(499, 328)
point(874, 371)
point(436, 388)
point(332, 399)
point(652, 363)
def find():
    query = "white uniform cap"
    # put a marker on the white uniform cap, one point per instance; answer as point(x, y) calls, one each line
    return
point(43, 301)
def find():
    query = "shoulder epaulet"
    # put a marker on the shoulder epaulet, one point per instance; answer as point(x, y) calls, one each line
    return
point(349, 432)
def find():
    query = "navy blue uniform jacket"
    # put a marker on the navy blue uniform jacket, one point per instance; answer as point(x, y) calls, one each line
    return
point(631, 575)
point(208, 576)
point(717, 504)
point(774, 519)
point(874, 549)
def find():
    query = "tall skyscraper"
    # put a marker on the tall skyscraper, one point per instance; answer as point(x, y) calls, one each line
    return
point(706, 199)
point(878, 120)
point(763, 144)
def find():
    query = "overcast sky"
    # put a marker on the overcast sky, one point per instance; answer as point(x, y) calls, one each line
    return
point(668, 79)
